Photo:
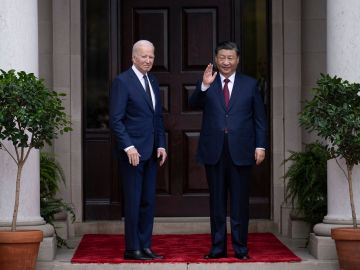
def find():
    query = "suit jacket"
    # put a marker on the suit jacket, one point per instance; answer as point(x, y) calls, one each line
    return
point(132, 117)
point(244, 120)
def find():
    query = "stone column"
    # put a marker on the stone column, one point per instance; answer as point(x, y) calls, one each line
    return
point(19, 51)
point(339, 209)
point(343, 54)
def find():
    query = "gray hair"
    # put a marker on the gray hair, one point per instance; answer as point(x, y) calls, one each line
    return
point(141, 43)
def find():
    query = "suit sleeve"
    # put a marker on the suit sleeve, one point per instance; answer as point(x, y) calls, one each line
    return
point(118, 103)
point(160, 130)
point(197, 99)
point(259, 119)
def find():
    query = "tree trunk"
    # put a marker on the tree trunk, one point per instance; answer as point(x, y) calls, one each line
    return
point(17, 195)
point(353, 212)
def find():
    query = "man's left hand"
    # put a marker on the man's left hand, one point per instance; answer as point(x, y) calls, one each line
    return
point(161, 153)
point(259, 156)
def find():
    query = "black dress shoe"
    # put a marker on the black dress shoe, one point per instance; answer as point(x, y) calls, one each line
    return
point(136, 255)
point(148, 252)
point(215, 256)
point(242, 256)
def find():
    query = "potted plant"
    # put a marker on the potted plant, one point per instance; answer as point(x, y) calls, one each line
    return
point(51, 175)
point(334, 114)
point(30, 116)
point(306, 182)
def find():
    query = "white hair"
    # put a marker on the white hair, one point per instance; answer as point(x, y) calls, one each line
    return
point(141, 43)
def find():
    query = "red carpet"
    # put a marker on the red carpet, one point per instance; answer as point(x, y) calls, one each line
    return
point(109, 248)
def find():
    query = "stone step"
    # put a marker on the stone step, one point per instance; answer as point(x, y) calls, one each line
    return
point(170, 225)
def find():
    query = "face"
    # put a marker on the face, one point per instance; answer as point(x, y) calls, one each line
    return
point(143, 58)
point(226, 62)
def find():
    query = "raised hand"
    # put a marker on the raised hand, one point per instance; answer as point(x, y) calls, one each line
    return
point(208, 76)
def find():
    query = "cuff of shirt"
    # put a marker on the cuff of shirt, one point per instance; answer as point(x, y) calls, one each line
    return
point(203, 87)
point(260, 148)
point(128, 148)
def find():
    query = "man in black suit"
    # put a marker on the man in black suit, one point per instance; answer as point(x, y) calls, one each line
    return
point(232, 139)
point(137, 122)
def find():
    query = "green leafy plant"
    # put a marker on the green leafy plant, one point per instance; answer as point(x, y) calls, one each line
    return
point(306, 182)
point(51, 176)
point(334, 114)
point(30, 116)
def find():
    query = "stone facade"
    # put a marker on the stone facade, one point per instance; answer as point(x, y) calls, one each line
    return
point(298, 56)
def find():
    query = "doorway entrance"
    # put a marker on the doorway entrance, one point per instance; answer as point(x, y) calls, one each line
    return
point(185, 33)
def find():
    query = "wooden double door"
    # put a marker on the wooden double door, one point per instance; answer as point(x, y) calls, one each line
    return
point(185, 33)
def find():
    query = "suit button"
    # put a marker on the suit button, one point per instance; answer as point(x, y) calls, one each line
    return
point(226, 130)
point(226, 115)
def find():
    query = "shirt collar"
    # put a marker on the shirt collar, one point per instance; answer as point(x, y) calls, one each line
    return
point(138, 73)
point(231, 77)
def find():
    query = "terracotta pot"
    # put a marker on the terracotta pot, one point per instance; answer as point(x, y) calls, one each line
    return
point(347, 242)
point(19, 249)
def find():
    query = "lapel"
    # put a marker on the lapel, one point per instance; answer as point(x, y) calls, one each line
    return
point(140, 88)
point(235, 91)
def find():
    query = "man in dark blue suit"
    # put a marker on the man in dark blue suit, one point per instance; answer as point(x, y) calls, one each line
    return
point(232, 139)
point(137, 122)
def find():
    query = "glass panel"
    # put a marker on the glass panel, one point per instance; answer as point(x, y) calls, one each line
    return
point(97, 64)
point(255, 42)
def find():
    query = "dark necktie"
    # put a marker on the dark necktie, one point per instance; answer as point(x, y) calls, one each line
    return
point(226, 92)
point(147, 87)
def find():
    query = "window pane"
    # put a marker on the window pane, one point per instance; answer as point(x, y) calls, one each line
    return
point(97, 64)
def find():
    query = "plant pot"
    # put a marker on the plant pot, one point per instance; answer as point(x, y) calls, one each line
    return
point(347, 242)
point(19, 249)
